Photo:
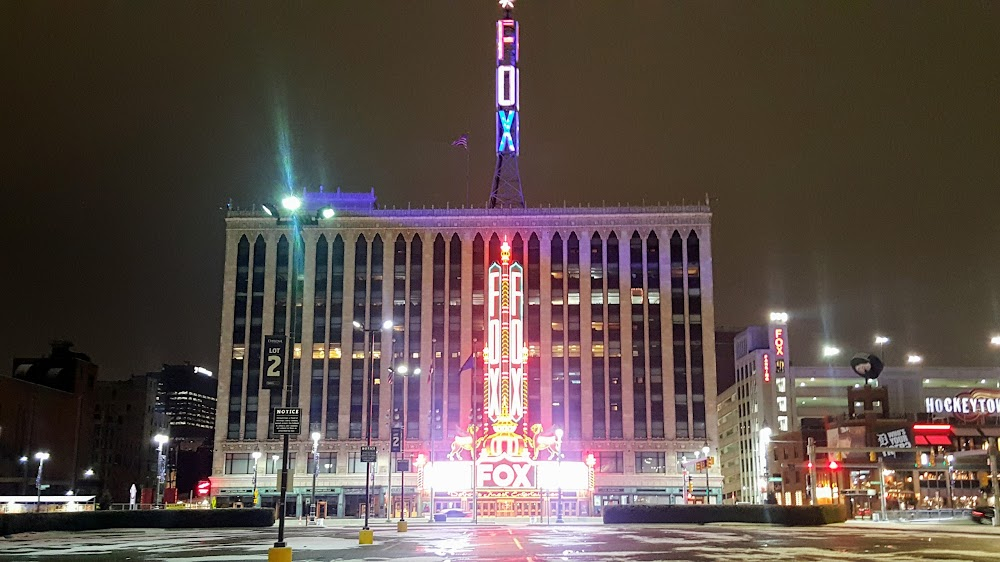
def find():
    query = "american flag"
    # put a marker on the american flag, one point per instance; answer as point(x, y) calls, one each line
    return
point(462, 141)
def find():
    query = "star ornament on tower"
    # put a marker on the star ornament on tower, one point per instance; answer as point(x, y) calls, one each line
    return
point(507, 4)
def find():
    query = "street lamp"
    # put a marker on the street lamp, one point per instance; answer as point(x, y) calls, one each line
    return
point(705, 450)
point(366, 532)
point(830, 351)
point(312, 500)
point(256, 459)
point(995, 341)
point(914, 359)
point(764, 443)
point(42, 457)
point(559, 511)
point(24, 469)
point(161, 465)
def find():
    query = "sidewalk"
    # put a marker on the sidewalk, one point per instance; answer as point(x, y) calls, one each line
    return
point(951, 526)
point(422, 522)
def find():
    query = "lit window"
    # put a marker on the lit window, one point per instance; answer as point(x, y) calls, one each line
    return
point(573, 297)
point(298, 351)
point(319, 351)
point(239, 351)
point(597, 298)
point(598, 326)
point(558, 326)
point(597, 350)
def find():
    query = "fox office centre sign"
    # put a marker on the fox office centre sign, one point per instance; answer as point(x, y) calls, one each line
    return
point(969, 405)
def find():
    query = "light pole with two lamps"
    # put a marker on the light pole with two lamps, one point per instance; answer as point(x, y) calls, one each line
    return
point(366, 535)
point(404, 371)
point(705, 450)
point(42, 457)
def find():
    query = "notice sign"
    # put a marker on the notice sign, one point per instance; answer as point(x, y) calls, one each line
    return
point(274, 362)
point(368, 453)
point(287, 421)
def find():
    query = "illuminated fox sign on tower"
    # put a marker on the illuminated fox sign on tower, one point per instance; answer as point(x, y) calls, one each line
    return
point(506, 190)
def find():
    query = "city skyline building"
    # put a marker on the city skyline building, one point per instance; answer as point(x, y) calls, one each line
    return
point(618, 326)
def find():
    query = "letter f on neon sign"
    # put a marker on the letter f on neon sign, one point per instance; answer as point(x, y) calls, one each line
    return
point(506, 123)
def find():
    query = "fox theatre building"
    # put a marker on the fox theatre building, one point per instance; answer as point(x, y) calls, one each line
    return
point(505, 465)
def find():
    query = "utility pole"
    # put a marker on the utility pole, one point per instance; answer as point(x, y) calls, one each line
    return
point(811, 448)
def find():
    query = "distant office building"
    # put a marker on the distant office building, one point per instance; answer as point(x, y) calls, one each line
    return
point(186, 396)
point(758, 405)
point(46, 407)
point(725, 357)
point(124, 421)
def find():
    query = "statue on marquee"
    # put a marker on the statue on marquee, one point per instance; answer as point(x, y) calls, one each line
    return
point(463, 442)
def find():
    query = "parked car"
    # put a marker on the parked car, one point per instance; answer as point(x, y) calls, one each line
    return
point(982, 512)
point(453, 513)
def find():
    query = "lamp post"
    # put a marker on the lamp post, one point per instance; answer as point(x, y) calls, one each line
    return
point(706, 450)
point(914, 359)
point(256, 459)
point(161, 465)
point(430, 425)
point(42, 457)
point(312, 499)
point(24, 469)
point(559, 509)
point(370, 332)
point(403, 371)
point(880, 341)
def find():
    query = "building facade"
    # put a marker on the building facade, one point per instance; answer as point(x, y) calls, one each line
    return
point(759, 405)
point(186, 397)
point(618, 332)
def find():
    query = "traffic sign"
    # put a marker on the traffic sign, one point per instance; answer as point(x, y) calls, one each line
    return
point(287, 421)
point(274, 362)
point(403, 465)
point(368, 453)
point(396, 440)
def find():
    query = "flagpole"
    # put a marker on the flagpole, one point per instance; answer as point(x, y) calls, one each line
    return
point(467, 173)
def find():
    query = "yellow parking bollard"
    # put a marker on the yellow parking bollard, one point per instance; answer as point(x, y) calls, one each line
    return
point(366, 536)
point(401, 527)
point(279, 554)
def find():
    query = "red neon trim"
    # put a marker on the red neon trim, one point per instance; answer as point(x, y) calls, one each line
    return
point(931, 427)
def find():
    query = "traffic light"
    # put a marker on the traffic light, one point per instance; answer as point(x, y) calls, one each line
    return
point(809, 464)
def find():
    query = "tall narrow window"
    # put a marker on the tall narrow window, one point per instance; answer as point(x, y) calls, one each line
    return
point(236, 367)
point(614, 350)
point(336, 344)
point(573, 378)
point(375, 319)
point(455, 360)
point(679, 336)
point(414, 414)
point(640, 382)
point(558, 332)
point(256, 339)
point(358, 339)
point(478, 313)
point(533, 330)
point(319, 340)
point(437, 323)
point(280, 320)
point(697, 353)
point(655, 349)
point(399, 337)
point(597, 337)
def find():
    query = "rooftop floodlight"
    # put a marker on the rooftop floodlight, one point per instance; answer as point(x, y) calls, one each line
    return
point(291, 203)
point(327, 212)
point(270, 209)
point(779, 317)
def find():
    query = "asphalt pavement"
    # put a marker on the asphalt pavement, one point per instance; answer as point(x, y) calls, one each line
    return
point(589, 540)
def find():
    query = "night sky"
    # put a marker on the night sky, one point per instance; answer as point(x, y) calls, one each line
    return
point(850, 149)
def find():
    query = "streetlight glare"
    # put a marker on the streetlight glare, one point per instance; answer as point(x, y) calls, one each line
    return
point(914, 359)
point(42, 456)
point(88, 473)
point(160, 438)
point(779, 317)
point(881, 340)
point(23, 459)
point(416, 371)
point(387, 325)
point(995, 340)
point(357, 324)
point(315, 436)
point(402, 369)
point(256, 455)
point(830, 351)
point(291, 203)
